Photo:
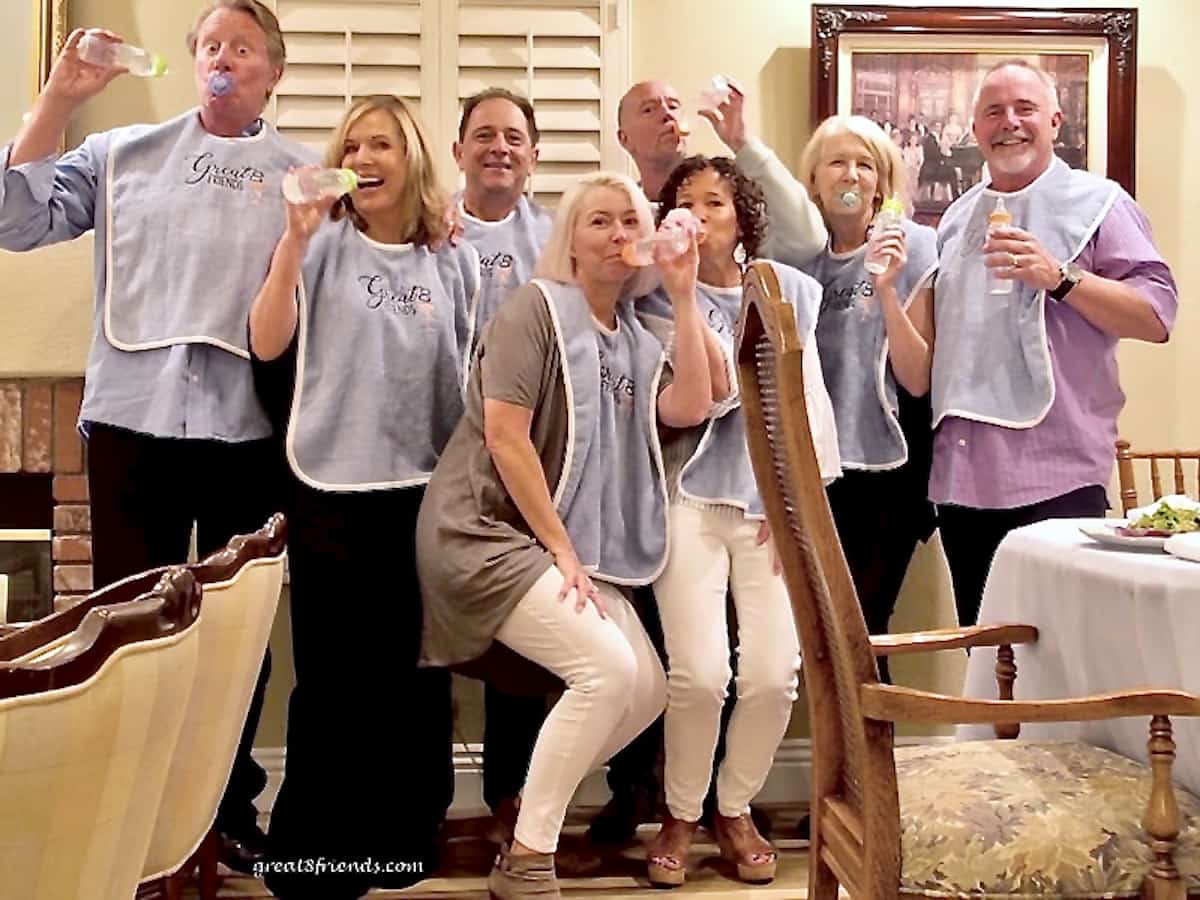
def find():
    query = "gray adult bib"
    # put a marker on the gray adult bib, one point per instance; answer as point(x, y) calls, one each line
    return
point(719, 471)
point(193, 219)
point(991, 361)
point(383, 337)
point(508, 251)
point(852, 339)
point(611, 494)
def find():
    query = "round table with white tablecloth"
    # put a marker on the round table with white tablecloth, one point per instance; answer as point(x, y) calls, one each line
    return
point(1109, 620)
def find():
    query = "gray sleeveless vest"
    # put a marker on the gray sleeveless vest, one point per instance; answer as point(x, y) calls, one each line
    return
point(611, 494)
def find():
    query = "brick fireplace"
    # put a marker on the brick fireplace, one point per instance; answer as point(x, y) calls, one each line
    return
point(38, 438)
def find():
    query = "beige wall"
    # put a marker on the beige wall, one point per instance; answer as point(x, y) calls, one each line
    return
point(46, 297)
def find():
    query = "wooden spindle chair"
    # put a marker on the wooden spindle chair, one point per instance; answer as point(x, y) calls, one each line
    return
point(1127, 476)
point(973, 818)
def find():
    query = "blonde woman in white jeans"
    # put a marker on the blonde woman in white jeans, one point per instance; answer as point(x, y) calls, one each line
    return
point(718, 541)
point(550, 497)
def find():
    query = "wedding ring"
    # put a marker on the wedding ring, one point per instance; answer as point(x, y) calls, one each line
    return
point(1013, 261)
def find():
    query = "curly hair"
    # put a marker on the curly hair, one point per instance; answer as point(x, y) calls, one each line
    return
point(749, 204)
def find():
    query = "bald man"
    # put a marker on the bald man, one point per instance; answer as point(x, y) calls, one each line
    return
point(649, 120)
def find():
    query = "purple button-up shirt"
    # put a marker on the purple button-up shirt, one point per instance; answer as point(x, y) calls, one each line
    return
point(992, 467)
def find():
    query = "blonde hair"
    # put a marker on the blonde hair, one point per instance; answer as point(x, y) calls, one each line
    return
point(889, 164)
point(423, 203)
point(276, 50)
point(557, 261)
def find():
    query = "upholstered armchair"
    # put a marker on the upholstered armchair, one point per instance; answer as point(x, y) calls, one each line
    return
point(241, 586)
point(88, 726)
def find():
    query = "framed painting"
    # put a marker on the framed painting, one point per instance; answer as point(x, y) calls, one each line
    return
point(914, 71)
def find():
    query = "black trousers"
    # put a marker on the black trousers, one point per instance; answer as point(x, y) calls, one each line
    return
point(971, 536)
point(510, 729)
point(369, 773)
point(146, 493)
point(637, 764)
point(879, 521)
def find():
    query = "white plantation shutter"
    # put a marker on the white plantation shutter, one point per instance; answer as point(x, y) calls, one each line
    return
point(339, 50)
point(569, 56)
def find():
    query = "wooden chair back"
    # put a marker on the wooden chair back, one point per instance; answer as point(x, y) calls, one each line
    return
point(1127, 473)
point(241, 587)
point(87, 730)
point(57, 627)
point(855, 804)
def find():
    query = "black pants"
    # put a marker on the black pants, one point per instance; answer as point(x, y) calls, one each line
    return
point(510, 729)
point(879, 523)
point(146, 493)
point(970, 538)
point(637, 764)
point(369, 773)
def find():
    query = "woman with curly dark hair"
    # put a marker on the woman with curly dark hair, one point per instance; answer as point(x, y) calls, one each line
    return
point(719, 542)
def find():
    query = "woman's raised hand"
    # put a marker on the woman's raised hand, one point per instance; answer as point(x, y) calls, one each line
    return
point(71, 79)
point(729, 118)
point(891, 245)
point(679, 272)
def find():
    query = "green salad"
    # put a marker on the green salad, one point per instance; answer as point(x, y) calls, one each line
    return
point(1169, 518)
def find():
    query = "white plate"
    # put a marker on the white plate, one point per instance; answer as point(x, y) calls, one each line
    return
point(1185, 546)
point(1106, 533)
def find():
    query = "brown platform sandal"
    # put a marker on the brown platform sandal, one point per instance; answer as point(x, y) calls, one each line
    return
point(741, 844)
point(518, 876)
point(667, 852)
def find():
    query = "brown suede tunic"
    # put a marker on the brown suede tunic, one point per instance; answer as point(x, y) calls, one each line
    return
point(476, 555)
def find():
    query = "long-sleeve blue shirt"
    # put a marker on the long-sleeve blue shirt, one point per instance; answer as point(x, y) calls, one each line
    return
point(180, 391)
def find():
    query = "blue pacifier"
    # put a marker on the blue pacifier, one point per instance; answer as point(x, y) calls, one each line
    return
point(220, 84)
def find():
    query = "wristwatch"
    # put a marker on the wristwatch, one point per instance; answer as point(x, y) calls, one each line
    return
point(1071, 276)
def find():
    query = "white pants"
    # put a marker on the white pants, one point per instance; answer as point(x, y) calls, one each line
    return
point(615, 688)
point(713, 548)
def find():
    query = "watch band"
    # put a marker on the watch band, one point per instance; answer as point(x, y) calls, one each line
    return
point(1072, 274)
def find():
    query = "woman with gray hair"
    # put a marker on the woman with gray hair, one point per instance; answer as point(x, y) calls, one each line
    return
point(184, 233)
point(876, 290)
point(551, 489)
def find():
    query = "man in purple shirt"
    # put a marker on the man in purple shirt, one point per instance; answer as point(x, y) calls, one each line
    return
point(1026, 433)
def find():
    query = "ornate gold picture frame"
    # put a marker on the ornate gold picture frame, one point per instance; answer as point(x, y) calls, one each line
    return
point(51, 33)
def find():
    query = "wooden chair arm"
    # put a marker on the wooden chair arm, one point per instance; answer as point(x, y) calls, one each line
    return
point(953, 638)
point(889, 703)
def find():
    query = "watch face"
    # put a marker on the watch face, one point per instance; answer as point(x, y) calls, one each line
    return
point(1073, 272)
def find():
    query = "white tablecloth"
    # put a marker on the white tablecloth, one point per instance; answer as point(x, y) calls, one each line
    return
point(1109, 620)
